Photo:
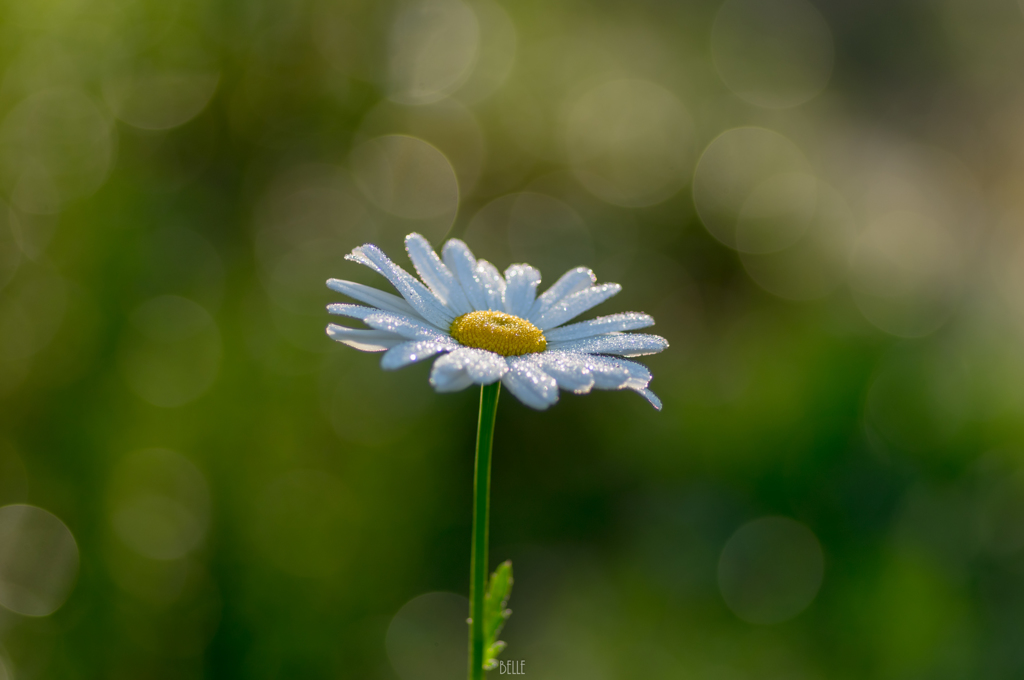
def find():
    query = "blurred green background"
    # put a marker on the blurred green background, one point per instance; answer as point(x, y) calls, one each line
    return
point(821, 203)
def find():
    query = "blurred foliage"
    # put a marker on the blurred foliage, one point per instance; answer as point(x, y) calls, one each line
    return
point(499, 588)
point(822, 204)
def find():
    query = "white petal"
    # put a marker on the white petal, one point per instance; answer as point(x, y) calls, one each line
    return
point(459, 259)
point(606, 373)
point(449, 381)
point(417, 295)
point(436, 275)
point(405, 326)
point(367, 341)
point(626, 321)
point(494, 284)
point(357, 256)
point(619, 373)
point(651, 397)
point(572, 306)
point(571, 282)
point(608, 376)
point(521, 281)
point(530, 384)
point(371, 296)
point(466, 366)
point(623, 344)
point(362, 313)
point(411, 352)
point(570, 371)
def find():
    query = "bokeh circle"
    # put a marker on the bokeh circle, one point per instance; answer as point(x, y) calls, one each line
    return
point(38, 560)
point(770, 570)
point(630, 142)
point(772, 53)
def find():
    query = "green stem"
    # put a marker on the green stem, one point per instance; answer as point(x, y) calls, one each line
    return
point(481, 510)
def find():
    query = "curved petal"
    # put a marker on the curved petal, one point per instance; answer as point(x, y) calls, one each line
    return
point(364, 340)
point(572, 306)
point(404, 326)
point(607, 376)
point(411, 352)
point(521, 281)
point(436, 275)
point(651, 397)
point(530, 384)
point(405, 321)
point(493, 283)
point(372, 296)
point(570, 282)
point(570, 371)
point(360, 312)
point(415, 293)
point(626, 321)
point(623, 344)
point(459, 259)
point(613, 373)
point(466, 366)
point(449, 380)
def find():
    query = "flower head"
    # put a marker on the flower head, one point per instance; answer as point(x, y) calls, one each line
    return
point(491, 327)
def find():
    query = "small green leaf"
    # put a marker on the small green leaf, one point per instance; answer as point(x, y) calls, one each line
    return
point(499, 587)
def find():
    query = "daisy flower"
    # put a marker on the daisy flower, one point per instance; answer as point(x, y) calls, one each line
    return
point(490, 327)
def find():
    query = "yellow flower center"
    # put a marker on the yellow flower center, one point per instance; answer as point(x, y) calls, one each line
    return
point(498, 332)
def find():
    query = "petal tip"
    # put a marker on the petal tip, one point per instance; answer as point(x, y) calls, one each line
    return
point(588, 271)
point(652, 398)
